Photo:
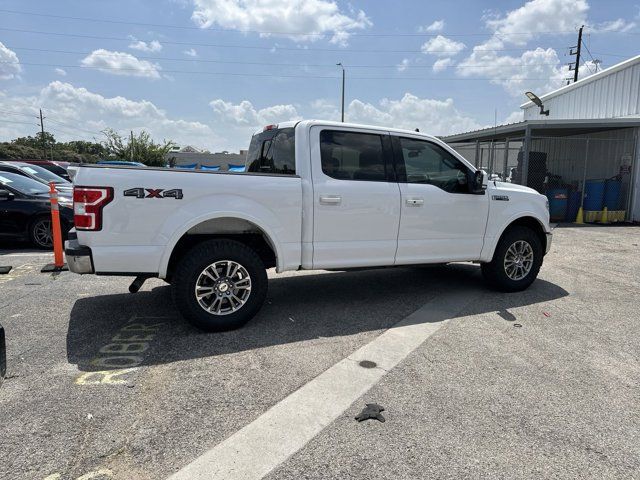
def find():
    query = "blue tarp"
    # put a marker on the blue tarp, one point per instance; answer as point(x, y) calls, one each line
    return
point(191, 166)
point(211, 168)
point(236, 168)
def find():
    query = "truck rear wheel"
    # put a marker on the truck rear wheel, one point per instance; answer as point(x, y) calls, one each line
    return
point(219, 285)
point(516, 261)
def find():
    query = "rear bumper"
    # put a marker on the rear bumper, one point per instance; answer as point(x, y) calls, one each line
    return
point(549, 240)
point(78, 257)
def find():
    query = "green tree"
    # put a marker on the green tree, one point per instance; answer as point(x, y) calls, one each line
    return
point(139, 148)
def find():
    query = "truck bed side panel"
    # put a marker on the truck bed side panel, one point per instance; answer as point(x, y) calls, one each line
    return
point(139, 233)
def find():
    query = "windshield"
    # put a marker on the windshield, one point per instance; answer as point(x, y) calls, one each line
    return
point(272, 151)
point(22, 184)
point(42, 174)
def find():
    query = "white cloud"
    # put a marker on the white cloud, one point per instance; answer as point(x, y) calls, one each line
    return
point(442, 46)
point(61, 71)
point(436, 26)
point(514, 117)
point(619, 25)
point(537, 70)
point(152, 46)
point(442, 63)
point(93, 112)
point(9, 63)
point(281, 17)
point(191, 52)
point(121, 63)
point(588, 68)
point(241, 120)
point(402, 66)
point(436, 117)
point(522, 24)
point(244, 113)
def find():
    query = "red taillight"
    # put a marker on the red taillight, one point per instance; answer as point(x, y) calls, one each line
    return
point(87, 206)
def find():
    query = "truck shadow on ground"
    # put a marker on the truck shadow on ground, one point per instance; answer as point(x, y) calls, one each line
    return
point(298, 308)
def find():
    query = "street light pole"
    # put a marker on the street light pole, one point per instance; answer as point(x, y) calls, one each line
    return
point(342, 66)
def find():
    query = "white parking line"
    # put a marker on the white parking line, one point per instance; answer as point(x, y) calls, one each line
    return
point(255, 450)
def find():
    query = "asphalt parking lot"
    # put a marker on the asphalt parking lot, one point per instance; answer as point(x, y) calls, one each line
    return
point(538, 384)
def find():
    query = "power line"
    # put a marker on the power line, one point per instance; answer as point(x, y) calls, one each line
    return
point(268, 32)
point(252, 47)
point(595, 62)
point(615, 55)
point(9, 112)
point(267, 75)
point(71, 134)
point(20, 123)
point(278, 64)
point(74, 127)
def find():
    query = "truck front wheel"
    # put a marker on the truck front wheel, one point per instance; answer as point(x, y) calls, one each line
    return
point(516, 261)
point(219, 285)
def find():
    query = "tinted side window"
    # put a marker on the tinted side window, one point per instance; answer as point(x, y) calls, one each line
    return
point(426, 162)
point(352, 156)
point(273, 152)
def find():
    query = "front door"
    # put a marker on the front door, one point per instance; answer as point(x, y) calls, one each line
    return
point(441, 221)
point(356, 199)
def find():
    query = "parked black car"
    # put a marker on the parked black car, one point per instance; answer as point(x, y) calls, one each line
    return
point(25, 210)
point(54, 167)
point(38, 173)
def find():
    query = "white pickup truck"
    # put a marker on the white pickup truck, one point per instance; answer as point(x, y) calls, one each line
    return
point(315, 195)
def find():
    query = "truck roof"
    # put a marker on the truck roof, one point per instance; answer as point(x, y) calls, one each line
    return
point(330, 123)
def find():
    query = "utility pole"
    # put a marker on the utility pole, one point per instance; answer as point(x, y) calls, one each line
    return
point(44, 146)
point(131, 145)
point(342, 66)
point(577, 52)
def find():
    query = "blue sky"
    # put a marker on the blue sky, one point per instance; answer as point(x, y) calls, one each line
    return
point(210, 72)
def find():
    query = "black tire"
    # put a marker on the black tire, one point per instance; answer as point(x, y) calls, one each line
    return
point(35, 233)
point(192, 265)
point(495, 272)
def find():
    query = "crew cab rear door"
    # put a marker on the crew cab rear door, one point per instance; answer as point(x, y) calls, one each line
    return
point(356, 199)
point(441, 220)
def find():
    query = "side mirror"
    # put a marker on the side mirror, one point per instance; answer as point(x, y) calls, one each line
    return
point(6, 195)
point(477, 181)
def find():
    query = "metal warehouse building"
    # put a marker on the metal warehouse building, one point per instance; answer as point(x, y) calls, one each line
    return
point(581, 148)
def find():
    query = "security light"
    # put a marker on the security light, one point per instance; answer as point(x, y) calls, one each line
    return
point(534, 98)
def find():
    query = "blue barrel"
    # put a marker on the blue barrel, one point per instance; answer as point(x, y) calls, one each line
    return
point(557, 203)
point(573, 205)
point(593, 195)
point(612, 191)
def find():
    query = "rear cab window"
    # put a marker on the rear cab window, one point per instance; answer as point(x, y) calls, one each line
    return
point(273, 151)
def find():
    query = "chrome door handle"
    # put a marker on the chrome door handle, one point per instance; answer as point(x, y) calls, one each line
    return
point(330, 199)
point(415, 202)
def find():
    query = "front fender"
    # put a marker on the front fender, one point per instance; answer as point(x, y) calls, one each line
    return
point(493, 236)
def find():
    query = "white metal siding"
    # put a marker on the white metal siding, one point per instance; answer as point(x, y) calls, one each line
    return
point(613, 95)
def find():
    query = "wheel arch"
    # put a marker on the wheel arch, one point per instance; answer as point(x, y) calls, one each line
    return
point(528, 221)
point(243, 229)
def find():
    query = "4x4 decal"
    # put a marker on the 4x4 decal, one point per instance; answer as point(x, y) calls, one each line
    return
point(154, 193)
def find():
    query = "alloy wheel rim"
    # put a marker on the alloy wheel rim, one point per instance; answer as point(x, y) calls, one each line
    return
point(42, 233)
point(518, 260)
point(223, 287)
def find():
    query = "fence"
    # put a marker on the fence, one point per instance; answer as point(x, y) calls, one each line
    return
point(591, 171)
